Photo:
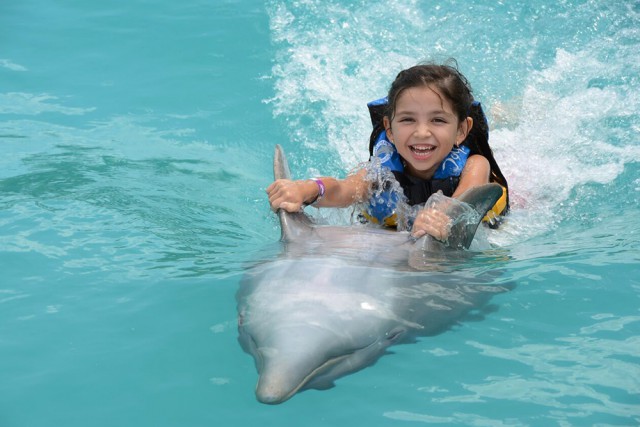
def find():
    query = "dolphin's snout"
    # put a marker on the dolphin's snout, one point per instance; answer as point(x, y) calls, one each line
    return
point(272, 391)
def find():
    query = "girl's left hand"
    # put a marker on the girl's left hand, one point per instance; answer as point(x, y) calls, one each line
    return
point(433, 222)
point(287, 194)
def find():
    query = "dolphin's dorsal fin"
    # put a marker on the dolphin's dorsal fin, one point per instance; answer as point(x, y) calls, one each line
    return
point(293, 225)
point(481, 199)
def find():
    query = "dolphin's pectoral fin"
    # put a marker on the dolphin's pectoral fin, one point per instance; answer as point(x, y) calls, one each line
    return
point(480, 313)
point(324, 384)
point(490, 309)
point(293, 225)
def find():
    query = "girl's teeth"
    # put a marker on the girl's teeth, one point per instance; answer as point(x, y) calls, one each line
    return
point(422, 149)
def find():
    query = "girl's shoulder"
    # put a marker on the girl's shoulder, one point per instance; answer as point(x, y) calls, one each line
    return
point(477, 165)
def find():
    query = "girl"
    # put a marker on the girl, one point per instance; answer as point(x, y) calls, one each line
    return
point(427, 117)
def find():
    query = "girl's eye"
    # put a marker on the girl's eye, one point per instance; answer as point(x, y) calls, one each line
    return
point(439, 120)
point(406, 120)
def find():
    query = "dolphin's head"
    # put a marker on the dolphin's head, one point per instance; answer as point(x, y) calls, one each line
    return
point(307, 356)
point(307, 322)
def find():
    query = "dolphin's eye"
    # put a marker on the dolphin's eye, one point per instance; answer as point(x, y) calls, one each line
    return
point(394, 334)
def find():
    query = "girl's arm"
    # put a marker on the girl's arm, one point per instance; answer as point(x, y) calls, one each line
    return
point(476, 172)
point(292, 195)
point(436, 223)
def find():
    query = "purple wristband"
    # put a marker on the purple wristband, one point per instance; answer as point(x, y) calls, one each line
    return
point(321, 190)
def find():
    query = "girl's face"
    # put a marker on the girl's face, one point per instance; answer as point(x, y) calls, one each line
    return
point(424, 129)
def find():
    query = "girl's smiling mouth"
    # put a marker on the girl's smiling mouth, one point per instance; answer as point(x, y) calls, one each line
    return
point(422, 151)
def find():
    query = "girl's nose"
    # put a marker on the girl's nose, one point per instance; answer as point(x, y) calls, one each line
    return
point(423, 130)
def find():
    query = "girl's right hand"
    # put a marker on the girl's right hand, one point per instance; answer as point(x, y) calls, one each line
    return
point(431, 221)
point(289, 195)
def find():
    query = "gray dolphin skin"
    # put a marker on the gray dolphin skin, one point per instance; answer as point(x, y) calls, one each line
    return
point(337, 296)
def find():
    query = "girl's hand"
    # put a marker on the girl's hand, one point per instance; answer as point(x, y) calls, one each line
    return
point(289, 195)
point(433, 222)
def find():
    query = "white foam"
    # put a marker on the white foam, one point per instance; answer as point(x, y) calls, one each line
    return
point(330, 68)
point(563, 138)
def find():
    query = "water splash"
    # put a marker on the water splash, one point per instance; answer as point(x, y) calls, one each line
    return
point(563, 109)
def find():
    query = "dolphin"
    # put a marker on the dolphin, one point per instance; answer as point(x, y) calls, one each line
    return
point(338, 296)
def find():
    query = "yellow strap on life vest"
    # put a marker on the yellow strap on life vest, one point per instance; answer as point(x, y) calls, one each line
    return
point(497, 209)
point(390, 221)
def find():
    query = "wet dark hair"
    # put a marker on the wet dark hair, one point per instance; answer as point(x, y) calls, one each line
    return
point(449, 83)
point(445, 79)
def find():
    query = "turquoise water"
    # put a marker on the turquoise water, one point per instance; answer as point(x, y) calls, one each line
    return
point(137, 140)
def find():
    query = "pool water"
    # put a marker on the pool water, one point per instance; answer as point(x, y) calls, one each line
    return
point(137, 141)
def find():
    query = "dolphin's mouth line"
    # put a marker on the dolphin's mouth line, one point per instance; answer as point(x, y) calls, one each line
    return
point(331, 362)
